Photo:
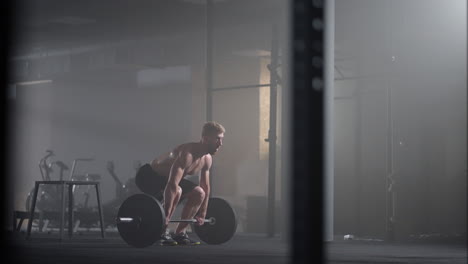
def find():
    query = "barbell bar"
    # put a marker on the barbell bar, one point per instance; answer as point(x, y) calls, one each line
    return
point(210, 220)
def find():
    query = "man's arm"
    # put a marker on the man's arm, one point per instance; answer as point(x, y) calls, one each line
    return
point(205, 185)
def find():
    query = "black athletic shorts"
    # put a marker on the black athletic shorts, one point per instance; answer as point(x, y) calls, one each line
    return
point(149, 182)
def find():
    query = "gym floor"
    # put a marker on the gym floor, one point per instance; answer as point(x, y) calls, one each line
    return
point(241, 249)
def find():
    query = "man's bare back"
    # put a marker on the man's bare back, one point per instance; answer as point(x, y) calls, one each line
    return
point(162, 164)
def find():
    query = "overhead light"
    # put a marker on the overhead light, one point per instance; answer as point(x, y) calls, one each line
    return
point(253, 53)
point(33, 82)
point(12, 87)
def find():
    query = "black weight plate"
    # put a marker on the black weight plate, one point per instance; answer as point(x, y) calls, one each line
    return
point(225, 226)
point(147, 230)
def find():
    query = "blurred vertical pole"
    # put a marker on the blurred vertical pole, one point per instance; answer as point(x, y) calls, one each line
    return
point(209, 66)
point(329, 64)
point(209, 60)
point(390, 224)
point(8, 22)
point(390, 180)
point(272, 133)
point(358, 159)
point(307, 131)
point(285, 123)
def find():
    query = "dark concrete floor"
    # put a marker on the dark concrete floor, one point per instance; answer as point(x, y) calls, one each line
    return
point(86, 249)
point(407, 252)
point(89, 248)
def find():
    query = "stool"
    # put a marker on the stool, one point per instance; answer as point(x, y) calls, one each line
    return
point(22, 215)
point(70, 185)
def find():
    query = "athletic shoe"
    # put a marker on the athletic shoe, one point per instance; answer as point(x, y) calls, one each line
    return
point(166, 239)
point(183, 239)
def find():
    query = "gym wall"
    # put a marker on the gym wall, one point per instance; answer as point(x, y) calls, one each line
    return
point(418, 50)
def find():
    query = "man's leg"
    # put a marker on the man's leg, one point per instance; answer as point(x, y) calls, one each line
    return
point(194, 201)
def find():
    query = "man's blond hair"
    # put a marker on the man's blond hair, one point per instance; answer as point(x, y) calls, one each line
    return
point(212, 128)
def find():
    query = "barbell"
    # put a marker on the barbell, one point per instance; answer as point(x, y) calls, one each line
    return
point(140, 221)
point(211, 220)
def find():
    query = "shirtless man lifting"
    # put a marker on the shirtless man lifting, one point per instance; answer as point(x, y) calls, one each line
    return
point(166, 174)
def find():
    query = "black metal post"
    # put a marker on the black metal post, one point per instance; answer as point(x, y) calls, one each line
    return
point(70, 210)
point(307, 135)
